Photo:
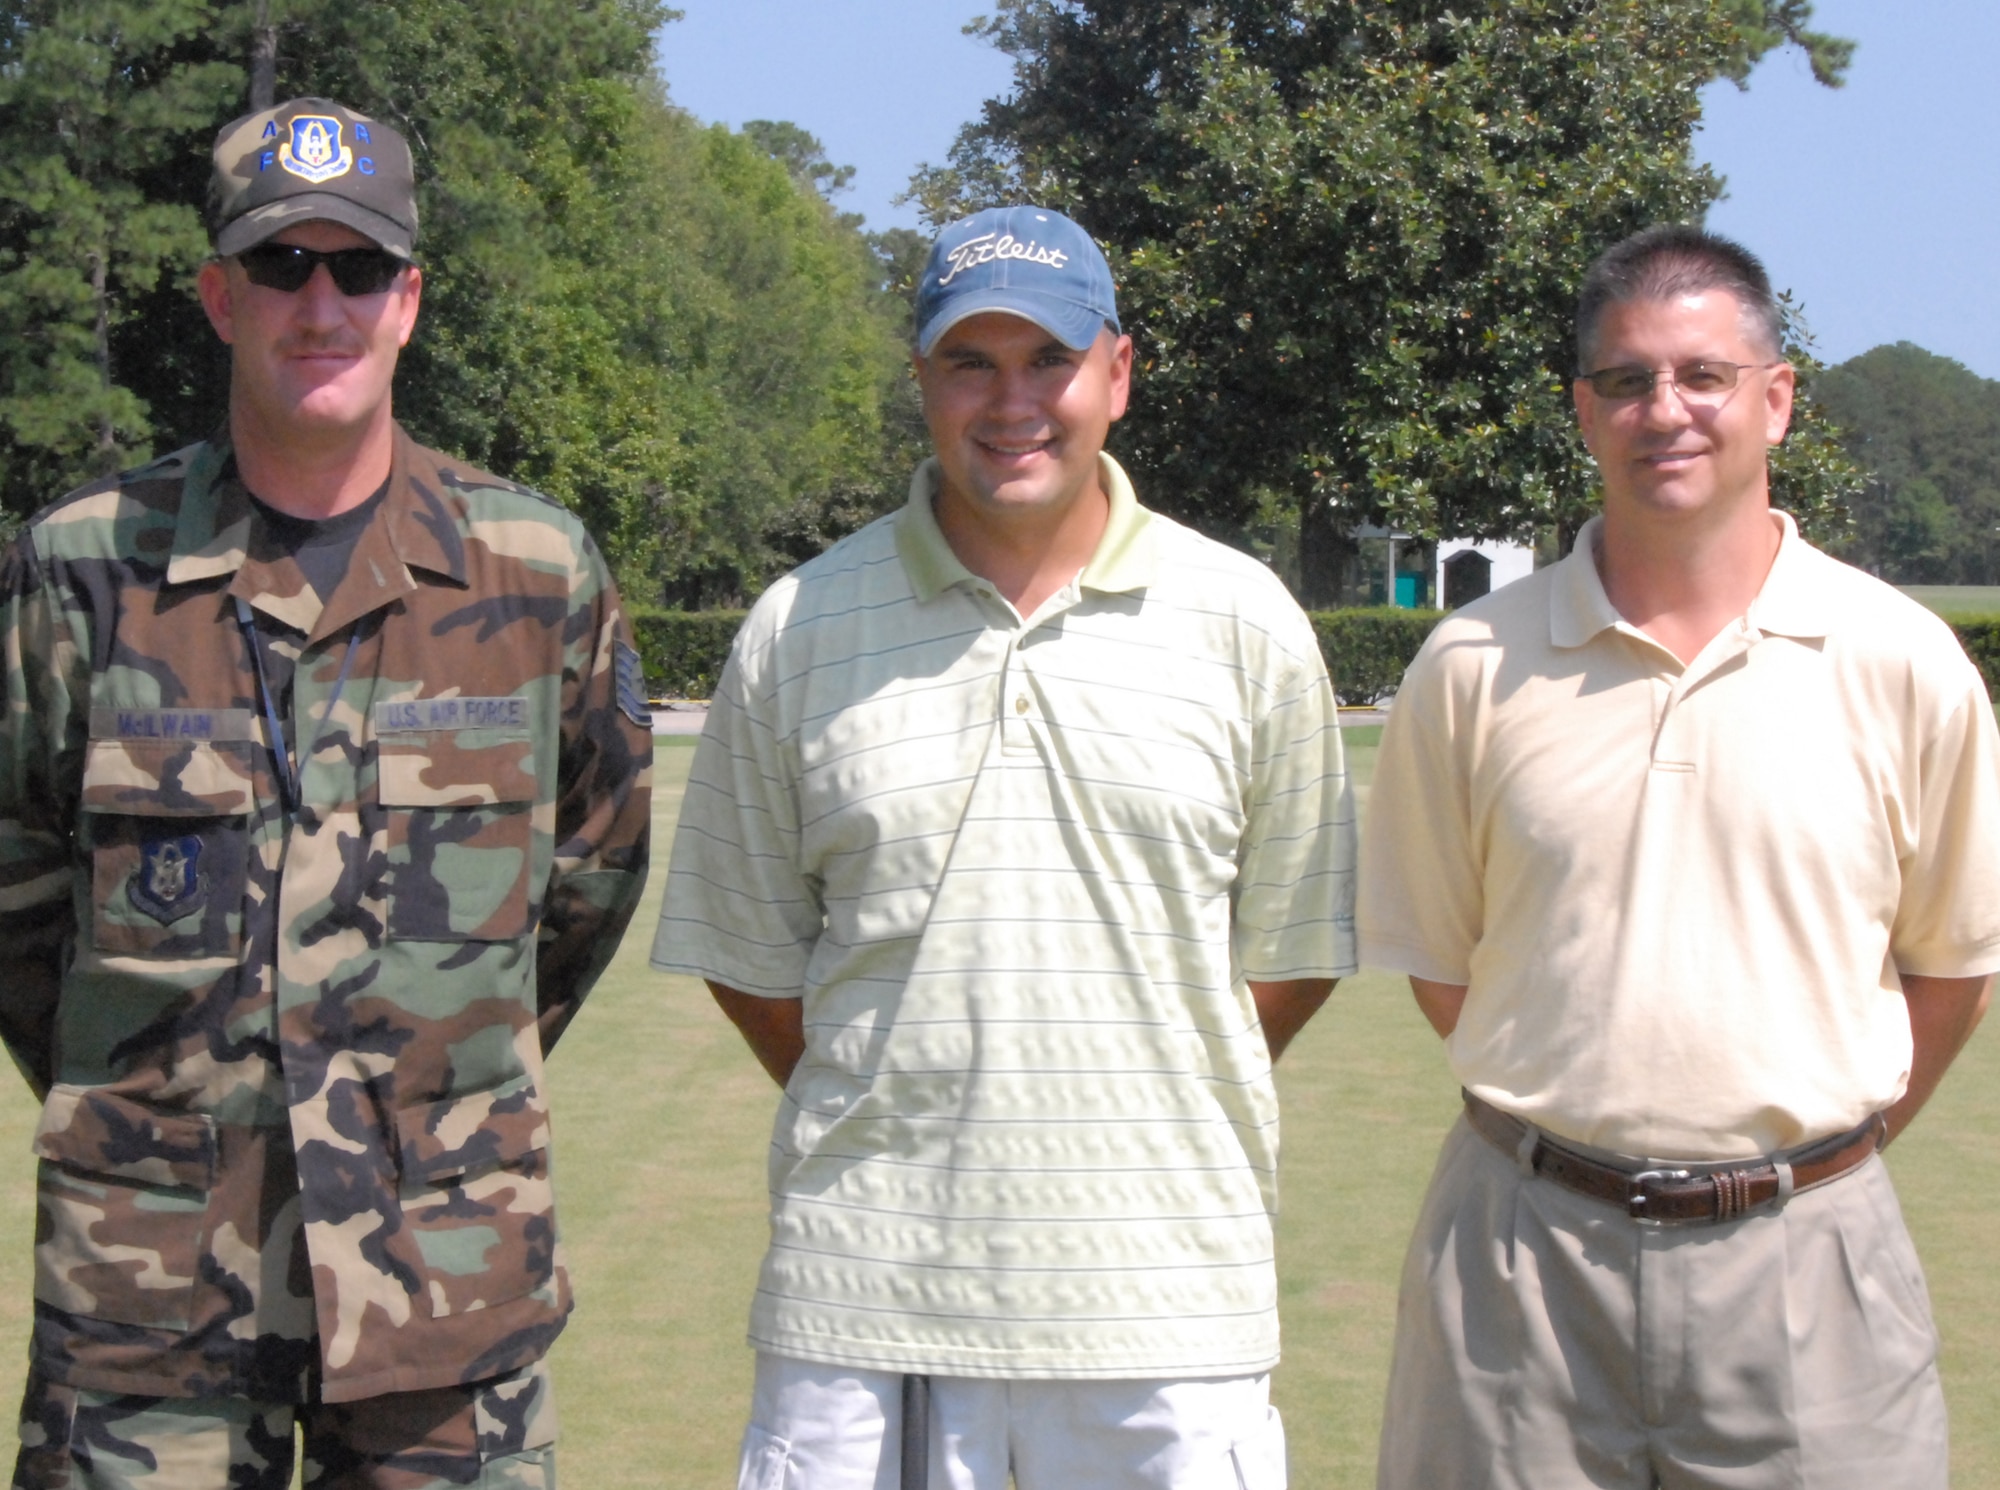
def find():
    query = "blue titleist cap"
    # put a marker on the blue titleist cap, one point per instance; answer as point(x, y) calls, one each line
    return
point(1021, 261)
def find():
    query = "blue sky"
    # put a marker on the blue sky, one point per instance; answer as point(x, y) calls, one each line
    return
point(1871, 203)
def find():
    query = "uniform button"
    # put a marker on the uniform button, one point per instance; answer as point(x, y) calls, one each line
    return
point(1021, 704)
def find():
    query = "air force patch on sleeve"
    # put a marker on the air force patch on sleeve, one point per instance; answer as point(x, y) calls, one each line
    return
point(631, 685)
point(168, 884)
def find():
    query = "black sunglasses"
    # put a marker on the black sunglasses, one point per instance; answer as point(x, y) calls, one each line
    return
point(287, 267)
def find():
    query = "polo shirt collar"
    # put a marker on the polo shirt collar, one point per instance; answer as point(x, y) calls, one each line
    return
point(1791, 604)
point(1787, 605)
point(1126, 559)
point(1578, 607)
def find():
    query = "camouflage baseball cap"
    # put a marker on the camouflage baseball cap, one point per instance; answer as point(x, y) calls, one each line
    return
point(311, 158)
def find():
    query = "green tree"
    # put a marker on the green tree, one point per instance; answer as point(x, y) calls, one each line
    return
point(803, 349)
point(1926, 430)
point(658, 323)
point(813, 524)
point(800, 152)
point(1348, 235)
point(1761, 26)
point(95, 97)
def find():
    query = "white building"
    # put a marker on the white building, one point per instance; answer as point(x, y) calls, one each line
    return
point(1468, 568)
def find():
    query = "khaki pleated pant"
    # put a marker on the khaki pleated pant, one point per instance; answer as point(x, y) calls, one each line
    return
point(1545, 1341)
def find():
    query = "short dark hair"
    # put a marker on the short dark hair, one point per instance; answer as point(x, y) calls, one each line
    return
point(1671, 260)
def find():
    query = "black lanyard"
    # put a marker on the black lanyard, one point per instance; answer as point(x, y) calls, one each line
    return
point(290, 774)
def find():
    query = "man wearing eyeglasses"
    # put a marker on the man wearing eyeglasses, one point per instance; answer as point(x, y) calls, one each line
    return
point(324, 788)
point(1690, 847)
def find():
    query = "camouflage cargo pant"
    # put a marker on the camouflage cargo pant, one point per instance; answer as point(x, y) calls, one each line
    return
point(497, 1434)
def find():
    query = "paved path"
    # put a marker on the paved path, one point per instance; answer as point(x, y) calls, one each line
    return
point(687, 718)
point(679, 718)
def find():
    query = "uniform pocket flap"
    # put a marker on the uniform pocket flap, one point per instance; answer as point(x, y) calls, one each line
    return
point(167, 778)
point(474, 769)
point(458, 1136)
point(97, 1132)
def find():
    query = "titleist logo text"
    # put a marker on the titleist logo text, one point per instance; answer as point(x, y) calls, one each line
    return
point(988, 248)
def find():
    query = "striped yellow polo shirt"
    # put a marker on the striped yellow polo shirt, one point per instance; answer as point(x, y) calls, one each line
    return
point(1020, 871)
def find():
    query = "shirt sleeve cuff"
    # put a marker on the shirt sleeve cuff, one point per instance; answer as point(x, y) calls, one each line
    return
point(1397, 956)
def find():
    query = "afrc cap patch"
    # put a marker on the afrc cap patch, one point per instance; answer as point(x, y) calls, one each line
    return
point(315, 151)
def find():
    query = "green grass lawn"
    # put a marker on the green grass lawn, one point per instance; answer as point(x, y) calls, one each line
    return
point(661, 1124)
point(1956, 601)
point(663, 1197)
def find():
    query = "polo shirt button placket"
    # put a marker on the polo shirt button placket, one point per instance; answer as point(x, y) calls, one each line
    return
point(1673, 740)
point(1016, 706)
point(1669, 744)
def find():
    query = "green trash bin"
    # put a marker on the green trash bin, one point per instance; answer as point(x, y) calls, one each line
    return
point(1406, 590)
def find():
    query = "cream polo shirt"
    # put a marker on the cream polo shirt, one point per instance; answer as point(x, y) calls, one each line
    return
point(1680, 896)
point(1020, 871)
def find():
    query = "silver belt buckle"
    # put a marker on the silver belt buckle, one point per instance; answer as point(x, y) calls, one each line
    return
point(1635, 1197)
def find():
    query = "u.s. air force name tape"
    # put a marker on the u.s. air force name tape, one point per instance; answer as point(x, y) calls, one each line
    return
point(407, 716)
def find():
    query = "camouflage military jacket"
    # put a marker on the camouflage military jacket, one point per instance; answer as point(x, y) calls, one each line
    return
point(295, 1121)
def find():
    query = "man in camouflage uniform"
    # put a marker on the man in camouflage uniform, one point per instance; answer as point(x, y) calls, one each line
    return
point(324, 791)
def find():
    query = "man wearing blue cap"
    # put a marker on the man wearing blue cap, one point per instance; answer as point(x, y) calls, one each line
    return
point(1018, 846)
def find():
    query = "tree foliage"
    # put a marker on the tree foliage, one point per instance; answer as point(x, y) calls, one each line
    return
point(810, 526)
point(1926, 430)
point(1760, 26)
point(94, 100)
point(662, 324)
point(801, 153)
point(1348, 235)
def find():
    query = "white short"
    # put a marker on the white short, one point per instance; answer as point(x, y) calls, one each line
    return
point(815, 1427)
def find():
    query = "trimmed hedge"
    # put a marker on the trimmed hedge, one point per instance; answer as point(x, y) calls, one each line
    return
point(1365, 650)
point(1980, 636)
point(683, 650)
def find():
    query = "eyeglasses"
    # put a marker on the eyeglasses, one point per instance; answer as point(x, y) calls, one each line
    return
point(287, 267)
point(1696, 381)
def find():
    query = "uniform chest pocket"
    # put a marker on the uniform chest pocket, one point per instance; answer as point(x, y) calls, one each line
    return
point(167, 824)
point(458, 813)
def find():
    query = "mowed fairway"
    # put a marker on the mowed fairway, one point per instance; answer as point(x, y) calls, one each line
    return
point(1955, 602)
point(661, 1123)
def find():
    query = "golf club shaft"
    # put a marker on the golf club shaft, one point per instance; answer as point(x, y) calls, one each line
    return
point(916, 1432)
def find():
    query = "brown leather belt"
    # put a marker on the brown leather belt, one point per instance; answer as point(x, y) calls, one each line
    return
point(1667, 1194)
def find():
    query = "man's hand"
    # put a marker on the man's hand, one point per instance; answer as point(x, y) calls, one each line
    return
point(1943, 1014)
point(1285, 1007)
point(774, 1029)
point(1441, 1003)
